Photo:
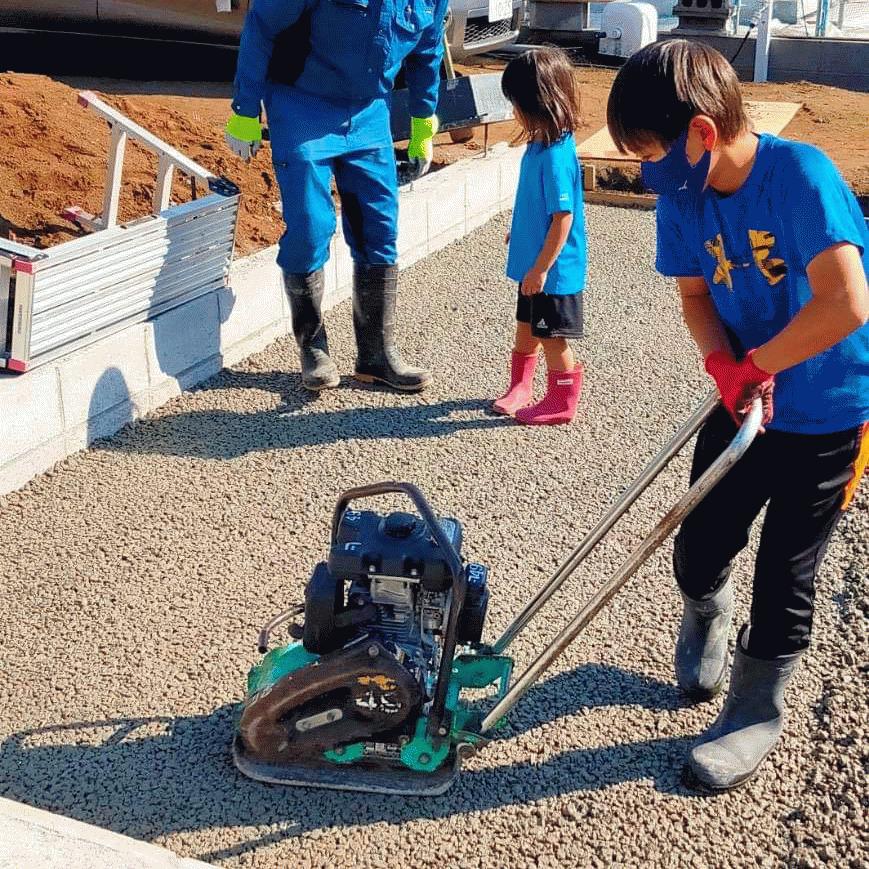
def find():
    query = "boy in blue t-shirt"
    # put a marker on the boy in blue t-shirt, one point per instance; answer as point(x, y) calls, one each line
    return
point(547, 238)
point(770, 252)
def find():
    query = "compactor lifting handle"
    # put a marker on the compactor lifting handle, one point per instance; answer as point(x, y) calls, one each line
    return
point(737, 448)
point(436, 728)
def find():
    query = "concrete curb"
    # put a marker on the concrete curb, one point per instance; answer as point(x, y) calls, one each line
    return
point(32, 837)
point(56, 410)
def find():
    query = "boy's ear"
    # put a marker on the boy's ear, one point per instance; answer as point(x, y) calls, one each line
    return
point(707, 129)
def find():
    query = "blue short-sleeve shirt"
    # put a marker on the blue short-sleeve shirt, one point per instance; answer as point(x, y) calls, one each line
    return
point(753, 248)
point(550, 181)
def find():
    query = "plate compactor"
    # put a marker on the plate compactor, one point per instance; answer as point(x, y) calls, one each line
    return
point(374, 695)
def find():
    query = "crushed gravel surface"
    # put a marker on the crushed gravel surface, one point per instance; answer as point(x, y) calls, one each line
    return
point(136, 575)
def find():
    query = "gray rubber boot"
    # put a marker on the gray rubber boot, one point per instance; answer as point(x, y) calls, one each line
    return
point(701, 649)
point(375, 293)
point(749, 725)
point(305, 293)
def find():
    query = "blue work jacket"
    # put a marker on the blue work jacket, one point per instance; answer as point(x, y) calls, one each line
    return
point(355, 50)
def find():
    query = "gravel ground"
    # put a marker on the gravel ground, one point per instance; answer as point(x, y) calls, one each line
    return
point(136, 575)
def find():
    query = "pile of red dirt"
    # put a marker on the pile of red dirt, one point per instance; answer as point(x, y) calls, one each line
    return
point(53, 155)
point(53, 152)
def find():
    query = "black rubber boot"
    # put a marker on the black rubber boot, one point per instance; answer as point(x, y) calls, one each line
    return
point(701, 649)
point(749, 725)
point(305, 292)
point(375, 292)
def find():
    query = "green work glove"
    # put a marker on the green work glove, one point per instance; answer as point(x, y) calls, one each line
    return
point(420, 149)
point(244, 136)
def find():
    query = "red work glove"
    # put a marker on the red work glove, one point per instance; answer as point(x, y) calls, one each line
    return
point(739, 383)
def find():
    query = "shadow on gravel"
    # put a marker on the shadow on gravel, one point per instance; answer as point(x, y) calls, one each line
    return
point(154, 776)
point(226, 434)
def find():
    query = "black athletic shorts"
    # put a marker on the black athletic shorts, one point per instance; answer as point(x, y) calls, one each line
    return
point(551, 316)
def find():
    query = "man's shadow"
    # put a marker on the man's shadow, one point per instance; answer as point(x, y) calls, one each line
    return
point(225, 434)
point(150, 777)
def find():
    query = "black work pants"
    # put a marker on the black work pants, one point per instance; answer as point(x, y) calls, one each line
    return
point(807, 481)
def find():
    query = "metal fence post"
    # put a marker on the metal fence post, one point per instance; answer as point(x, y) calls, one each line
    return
point(761, 50)
point(822, 15)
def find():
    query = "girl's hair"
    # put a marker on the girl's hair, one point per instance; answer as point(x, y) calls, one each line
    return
point(664, 85)
point(542, 85)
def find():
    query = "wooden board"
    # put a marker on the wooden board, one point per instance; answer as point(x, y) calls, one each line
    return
point(766, 117)
point(642, 201)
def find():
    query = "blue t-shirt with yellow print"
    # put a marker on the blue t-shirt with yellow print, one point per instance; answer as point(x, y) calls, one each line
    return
point(753, 247)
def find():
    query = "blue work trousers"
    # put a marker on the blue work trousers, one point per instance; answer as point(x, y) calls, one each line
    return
point(314, 140)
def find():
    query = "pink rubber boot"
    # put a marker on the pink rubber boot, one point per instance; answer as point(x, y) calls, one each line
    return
point(559, 403)
point(521, 384)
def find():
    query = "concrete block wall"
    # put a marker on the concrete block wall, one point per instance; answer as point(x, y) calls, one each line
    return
point(841, 63)
point(53, 411)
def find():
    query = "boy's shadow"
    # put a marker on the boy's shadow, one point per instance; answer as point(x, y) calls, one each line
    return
point(226, 434)
point(150, 777)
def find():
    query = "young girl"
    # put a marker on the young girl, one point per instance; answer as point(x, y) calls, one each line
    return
point(547, 249)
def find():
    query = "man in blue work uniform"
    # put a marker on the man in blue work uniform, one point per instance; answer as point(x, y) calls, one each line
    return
point(324, 70)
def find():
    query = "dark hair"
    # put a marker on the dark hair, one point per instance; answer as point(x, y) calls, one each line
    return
point(664, 85)
point(542, 84)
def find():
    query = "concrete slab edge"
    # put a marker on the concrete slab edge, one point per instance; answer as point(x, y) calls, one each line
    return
point(60, 408)
point(33, 837)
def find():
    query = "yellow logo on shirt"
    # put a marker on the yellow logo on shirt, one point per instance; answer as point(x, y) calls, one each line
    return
point(762, 242)
point(724, 266)
point(772, 268)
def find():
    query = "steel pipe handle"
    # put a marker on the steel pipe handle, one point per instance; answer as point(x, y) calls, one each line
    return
point(731, 455)
point(628, 497)
point(274, 623)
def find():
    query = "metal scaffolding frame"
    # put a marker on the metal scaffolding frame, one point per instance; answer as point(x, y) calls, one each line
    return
point(56, 300)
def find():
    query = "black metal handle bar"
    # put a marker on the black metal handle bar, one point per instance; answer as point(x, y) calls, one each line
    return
point(436, 727)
